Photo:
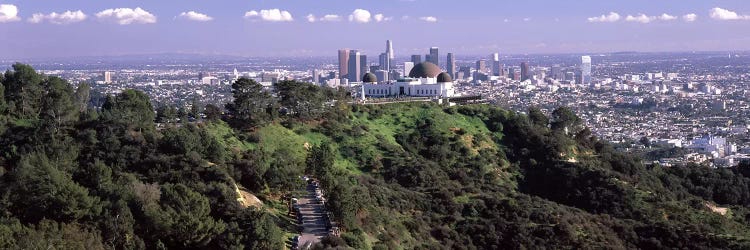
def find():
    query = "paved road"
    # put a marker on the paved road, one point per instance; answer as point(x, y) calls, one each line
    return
point(313, 219)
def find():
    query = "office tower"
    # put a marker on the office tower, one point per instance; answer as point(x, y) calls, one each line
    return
point(343, 63)
point(364, 66)
point(585, 69)
point(355, 68)
point(451, 65)
point(372, 69)
point(481, 66)
point(434, 56)
point(382, 75)
point(524, 71)
point(416, 59)
point(107, 77)
point(555, 72)
point(497, 68)
point(389, 49)
point(385, 62)
point(407, 67)
point(315, 76)
point(466, 71)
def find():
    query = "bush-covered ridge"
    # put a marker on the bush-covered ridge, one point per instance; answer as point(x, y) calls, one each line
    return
point(397, 176)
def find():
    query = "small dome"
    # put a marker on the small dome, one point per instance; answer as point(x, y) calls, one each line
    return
point(424, 70)
point(444, 77)
point(369, 77)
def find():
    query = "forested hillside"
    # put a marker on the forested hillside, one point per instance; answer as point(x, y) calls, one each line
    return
point(397, 176)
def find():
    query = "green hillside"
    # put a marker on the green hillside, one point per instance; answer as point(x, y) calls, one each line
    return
point(397, 176)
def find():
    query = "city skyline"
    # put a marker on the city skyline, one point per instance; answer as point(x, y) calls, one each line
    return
point(283, 28)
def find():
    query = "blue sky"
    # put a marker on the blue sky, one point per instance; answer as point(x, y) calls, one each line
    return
point(470, 27)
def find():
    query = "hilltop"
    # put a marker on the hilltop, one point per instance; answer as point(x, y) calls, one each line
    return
point(397, 176)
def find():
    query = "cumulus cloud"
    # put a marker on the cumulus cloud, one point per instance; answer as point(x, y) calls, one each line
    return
point(8, 13)
point(360, 16)
point(724, 14)
point(666, 17)
point(195, 16)
point(330, 18)
point(327, 18)
point(61, 18)
point(640, 18)
point(272, 15)
point(690, 17)
point(608, 18)
point(430, 19)
point(124, 16)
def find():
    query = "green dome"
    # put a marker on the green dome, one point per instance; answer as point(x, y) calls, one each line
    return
point(369, 77)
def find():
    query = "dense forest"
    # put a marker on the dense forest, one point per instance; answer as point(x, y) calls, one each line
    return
point(127, 175)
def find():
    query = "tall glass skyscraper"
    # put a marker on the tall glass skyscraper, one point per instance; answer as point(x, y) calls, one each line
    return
point(585, 70)
point(343, 63)
point(451, 65)
point(435, 56)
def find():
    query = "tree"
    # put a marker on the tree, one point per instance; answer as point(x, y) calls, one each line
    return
point(212, 112)
point(41, 190)
point(131, 109)
point(252, 106)
point(3, 105)
point(59, 105)
point(23, 91)
point(166, 114)
point(537, 117)
point(196, 108)
point(83, 96)
point(302, 100)
point(182, 219)
point(565, 120)
point(320, 159)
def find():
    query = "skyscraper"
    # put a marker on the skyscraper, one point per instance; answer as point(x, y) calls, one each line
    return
point(364, 67)
point(343, 63)
point(525, 71)
point(107, 77)
point(435, 56)
point(385, 62)
point(389, 49)
point(416, 59)
point(585, 69)
point(354, 67)
point(481, 66)
point(497, 68)
point(451, 65)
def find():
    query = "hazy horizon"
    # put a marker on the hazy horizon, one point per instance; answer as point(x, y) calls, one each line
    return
point(64, 29)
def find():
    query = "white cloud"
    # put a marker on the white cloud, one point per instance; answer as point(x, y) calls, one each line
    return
point(61, 18)
point(640, 18)
point(526, 19)
point(8, 13)
point(609, 18)
point(666, 17)
point(310, 18)
point(405, 18)
point(378, 17)
point(690, 17)
point(360, 16)
point(195, 16)
point(124, 16)
point(724, 14)
point(330, 18)
point(430, 19)
point(272, 15)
